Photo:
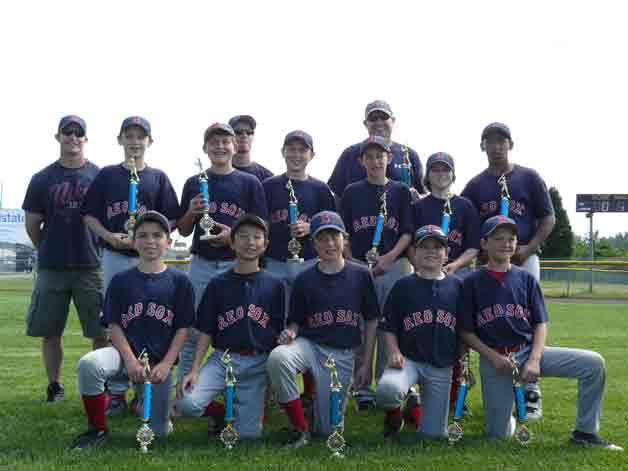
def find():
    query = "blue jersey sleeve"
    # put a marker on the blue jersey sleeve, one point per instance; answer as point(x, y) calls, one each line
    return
point(472, 227)
point(338, 180)
point(184, 304)
point(346, 213)
point(388, 321)
point(94, 201)
point(542, 201)
point(113, 307)
point(189, 192)
point(417, 171)
point(297, 304)
point(370, 305)
point(168, 203)
point(536, 303)
point(406, 215)
point(206, 311)
point(467, 310)
point(34, 198)
point(258, 201)
point(326, 200)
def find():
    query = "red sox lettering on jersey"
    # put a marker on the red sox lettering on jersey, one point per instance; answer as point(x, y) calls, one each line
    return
point(232, 316)
point(327, 318)
point(419, 318)
point(497, 311)
point(159, 312)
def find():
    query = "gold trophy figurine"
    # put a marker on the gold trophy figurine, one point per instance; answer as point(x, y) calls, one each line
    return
point(294, 246)
point(134, 180)
point(145, 434)
point(207, 223)
point(335, 441)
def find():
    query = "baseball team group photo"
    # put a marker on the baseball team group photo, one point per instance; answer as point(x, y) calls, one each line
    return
point(360, 297)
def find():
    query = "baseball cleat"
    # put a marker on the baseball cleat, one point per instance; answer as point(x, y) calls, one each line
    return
point(91, 439)
point(593, 440)
point(393, 427)
point(55, 392)
point(298, 439)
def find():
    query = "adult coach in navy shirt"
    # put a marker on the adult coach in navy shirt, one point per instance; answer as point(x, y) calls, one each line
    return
point(379, 121)
point(244, 128)
point(68, 259)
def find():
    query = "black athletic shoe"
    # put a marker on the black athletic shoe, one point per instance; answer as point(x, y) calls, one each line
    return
point(298, 439)
point(593, 440)
point(393, 427)
point(55, 392)
point(91, 439)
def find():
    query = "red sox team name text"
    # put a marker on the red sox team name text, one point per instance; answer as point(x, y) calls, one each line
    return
point(158, 311)
point(232, 316)
point(342, 316)
point(426, 317)
point(499, 311)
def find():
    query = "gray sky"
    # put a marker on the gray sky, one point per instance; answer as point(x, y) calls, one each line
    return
point(554, 71)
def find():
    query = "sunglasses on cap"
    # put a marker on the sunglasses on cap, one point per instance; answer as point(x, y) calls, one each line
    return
point(73, 131)
point(378, 116)
point(243, 132)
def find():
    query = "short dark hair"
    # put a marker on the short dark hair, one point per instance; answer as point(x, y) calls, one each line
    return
point(249, 220)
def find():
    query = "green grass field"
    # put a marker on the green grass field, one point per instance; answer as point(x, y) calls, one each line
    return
point(35, 435)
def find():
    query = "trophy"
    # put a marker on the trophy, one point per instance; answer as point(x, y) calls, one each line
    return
point(207, 223)
point(446, 219)
point(454, 431)
point(523, 435)
point(294, 247)
point(134, 179)
point(145, 434)
point(371, 255)
point(406, 167)
point(229, 436)
point(335, 441)
point(504, 201)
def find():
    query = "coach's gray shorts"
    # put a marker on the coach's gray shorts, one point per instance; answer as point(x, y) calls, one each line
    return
point(50, 302)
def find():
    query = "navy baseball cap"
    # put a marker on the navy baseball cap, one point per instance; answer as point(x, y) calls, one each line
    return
point(249, 219)
point(152, 216)
point(218, 128)
point(136, 121)
point(495, 222)
point(430, 232)
point(72, 119)
point(441, 157)
point(245, 118)
point(496, 128)
point(378, 105)
point(377, 141)
point(326, 220)
point(301, 136)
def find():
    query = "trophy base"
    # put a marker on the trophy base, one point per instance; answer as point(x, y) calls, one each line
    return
point(208, 236)
point(295, 259)
point(454, 433)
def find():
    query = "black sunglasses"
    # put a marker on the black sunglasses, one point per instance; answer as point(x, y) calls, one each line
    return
point(78, 132)
point(377, 117)
point(242, 132)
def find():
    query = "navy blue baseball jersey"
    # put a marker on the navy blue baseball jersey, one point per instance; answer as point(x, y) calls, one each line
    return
point(529, 198)
point(242, 311)
point(502, 314)
point(423, 314)
point(108, 198)
point(57, 192)
point(464, 227)
point(360, 206)
point(230, 196)
point(313, 195)
point(257, 170)
point(327, 307)
point(349, 170)
point(150, 308)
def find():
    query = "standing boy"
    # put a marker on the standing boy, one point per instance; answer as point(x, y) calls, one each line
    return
point(231, 194)
point(105, 211)
point(328, 302)
point(419, 325)
point(149, 309)
point(242, 310)
point(67, 253)
point(505, 320)
point(361, 204)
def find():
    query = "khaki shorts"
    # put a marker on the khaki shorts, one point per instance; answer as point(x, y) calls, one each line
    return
point(50, 302)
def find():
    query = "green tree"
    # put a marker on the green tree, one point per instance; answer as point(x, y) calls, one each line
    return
point(560, 243)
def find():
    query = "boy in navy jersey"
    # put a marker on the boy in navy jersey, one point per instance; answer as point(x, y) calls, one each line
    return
point(244, 128)
point(313, 197)
point(327, 304)
point(148, 308)
point(419, 325)
point(361, 203)
point(232, 193)
point(378, 121)
point(529, 205)
point(68, 257)
point(505, 320)
point(105, 211)
point(242, 310)
point(463, 238)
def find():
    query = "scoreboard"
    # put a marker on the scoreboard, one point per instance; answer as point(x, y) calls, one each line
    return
point(602, 203)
